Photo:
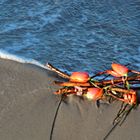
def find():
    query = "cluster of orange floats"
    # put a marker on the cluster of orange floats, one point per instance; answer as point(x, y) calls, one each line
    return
point(117, 87)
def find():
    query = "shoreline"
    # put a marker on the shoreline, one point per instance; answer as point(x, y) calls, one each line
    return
point(7, 56)
point(28, 106)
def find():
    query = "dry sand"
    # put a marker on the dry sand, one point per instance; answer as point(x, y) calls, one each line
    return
point(28, 106)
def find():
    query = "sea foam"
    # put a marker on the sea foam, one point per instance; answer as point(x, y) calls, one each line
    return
point(7, 55)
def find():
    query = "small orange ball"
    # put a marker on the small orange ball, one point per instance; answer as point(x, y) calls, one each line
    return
point(82, 77)
point(94, 93)
point(120, 69)
point(113, 73)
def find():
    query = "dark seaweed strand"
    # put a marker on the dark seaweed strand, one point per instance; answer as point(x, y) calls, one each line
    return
point(55, 116)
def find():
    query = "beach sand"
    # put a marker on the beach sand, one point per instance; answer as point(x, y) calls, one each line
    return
point(28, 106)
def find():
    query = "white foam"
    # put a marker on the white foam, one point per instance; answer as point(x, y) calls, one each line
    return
point(6, 55)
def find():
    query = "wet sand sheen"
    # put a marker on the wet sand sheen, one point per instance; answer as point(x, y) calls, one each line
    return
point(27, 109)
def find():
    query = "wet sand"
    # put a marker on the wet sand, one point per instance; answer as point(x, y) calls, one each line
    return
point(28, 106)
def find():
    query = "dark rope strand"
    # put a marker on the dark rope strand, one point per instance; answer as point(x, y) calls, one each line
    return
point(122, 106)
point(110, 131)
point(55, 116)
point(120, 114)
point(127, 113)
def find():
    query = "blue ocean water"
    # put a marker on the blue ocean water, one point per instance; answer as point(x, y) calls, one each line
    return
point(73, 35)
